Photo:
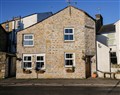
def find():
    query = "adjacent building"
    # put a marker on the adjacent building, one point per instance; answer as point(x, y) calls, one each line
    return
point(8, 31)
point(20, 23)
point(3, 49)
point(108, 48)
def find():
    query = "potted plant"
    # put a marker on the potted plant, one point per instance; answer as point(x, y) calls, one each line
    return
point(39, 70)
point(27, 71)
point(94, 75)
point(118, 72)
point(70, 69)
point(83, 57)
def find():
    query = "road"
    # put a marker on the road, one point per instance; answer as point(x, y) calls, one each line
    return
point(58, 90)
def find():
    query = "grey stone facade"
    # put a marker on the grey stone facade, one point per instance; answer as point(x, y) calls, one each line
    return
point(49, 40)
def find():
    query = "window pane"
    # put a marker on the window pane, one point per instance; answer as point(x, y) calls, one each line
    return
point(27, 58)
point(68, 37)
point(66, 62)
point(113, 54)
point(28, 37)
point(39, 64)
point(41, 58)
point(69, 55)
point(70, 30)
point(66, 30)
point(28, 42)
point(7, 26)
point(113, 57)
point(69, 62)
point(27, 64)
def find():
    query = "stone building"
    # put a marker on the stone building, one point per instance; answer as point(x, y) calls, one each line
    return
point(61, 46)
point(20, 23)
point(3, 48)
point(7, 59)
point(8, 40)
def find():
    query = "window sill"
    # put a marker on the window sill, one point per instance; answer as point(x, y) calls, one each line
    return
point(28, 46)
point(69, 41)
point(69, 66)
point(27, 71)
point(27, 68)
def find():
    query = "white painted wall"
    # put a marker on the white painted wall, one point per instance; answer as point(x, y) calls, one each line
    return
point(103, 38)
point(26, 21)
point(117, 27)
point(103, 60)
point(30, 20)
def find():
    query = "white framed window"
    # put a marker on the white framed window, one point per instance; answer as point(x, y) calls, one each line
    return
point(28, 40)
point(18, 24)
point(69, 59)
point(69, 34)
point(7, 26)
point(40, 61)
point(27, 61)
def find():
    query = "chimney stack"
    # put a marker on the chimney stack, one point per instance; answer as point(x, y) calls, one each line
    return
point(99, 21)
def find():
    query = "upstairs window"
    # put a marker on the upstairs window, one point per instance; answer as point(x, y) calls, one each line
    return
point(18, 24)
point(27, 61)
point(40, 61)
point(69, 59)
point(28, 40)
point(69, 34)
point(7, 26)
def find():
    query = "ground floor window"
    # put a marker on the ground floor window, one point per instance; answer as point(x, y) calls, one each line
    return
point(40, 61)
point(37, 59)
point(27, 61)
point(113, 57)
point(69, 59)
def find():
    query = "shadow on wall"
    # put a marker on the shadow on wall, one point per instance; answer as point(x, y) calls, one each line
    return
point(102, 39)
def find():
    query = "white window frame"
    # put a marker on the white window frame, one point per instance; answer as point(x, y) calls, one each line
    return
point(40, 61)
point(28, 39)
point(27, 61)
point(7, 26)
point(18, 24)
point(69, 34)
point(70, 59)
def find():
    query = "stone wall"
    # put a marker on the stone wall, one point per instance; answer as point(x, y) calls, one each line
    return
point(49, 40)
point(2, 65)
point(10, 26)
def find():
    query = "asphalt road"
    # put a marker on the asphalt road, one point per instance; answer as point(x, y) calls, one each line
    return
point(58, 90)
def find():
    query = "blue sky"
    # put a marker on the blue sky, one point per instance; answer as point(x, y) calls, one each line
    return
point(110, 9)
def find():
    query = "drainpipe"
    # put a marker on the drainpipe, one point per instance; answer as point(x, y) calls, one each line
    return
point(110, 61)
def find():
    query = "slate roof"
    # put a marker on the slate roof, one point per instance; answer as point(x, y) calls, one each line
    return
point(107, 28)
point(58, 12)
point(40, 14)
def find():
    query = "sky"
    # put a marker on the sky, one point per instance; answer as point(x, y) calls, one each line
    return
point(109, 9)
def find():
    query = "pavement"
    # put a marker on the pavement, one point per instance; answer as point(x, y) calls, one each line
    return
point(60, 82)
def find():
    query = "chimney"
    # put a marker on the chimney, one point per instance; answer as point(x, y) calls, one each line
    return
point(99, 21)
